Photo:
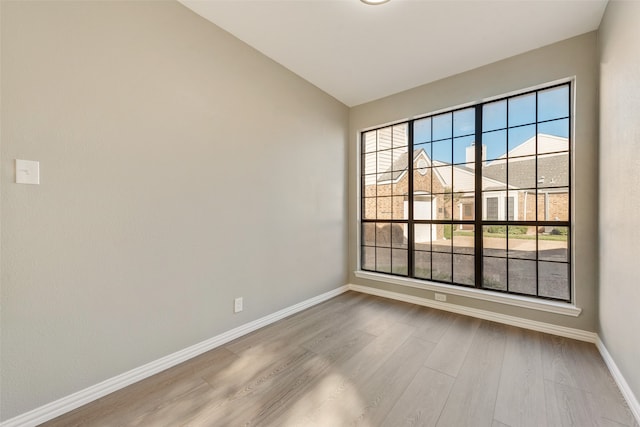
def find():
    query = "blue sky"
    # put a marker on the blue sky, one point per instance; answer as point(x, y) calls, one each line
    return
point(434, 134)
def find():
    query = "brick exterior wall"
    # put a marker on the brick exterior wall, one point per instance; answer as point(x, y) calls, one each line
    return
point(558, 205)
point(387, 201)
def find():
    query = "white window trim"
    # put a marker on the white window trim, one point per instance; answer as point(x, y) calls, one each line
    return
point(566, 309)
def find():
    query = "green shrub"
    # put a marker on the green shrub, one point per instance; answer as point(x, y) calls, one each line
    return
point(517, 229)
point(496, 229)
point(514, 230)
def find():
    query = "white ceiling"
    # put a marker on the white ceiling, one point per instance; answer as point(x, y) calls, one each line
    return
point(358, 53)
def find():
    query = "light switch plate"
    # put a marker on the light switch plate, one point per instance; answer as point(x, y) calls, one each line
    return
point(27, 172)
point(237, 305)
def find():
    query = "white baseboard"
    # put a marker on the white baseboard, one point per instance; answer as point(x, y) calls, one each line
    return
point(68, 403)
point(627, 393)
point(82, 397)
point(549, 328)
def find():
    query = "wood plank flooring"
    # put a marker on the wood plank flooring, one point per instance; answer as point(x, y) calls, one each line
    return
point(359, 360)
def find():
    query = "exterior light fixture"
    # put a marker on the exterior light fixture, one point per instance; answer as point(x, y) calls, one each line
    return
point(374, 2)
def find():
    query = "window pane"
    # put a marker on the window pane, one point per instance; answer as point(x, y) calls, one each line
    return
point(553, 205)
point(464, 122)
point(553, 170)
point(422, 264)
point(494, 273)
point(384, 138)
point(526, 204)
point(464, 150)
point(422, 151)
point(522, 109)
point(422, 236)
point(368, 234)
point(464, 269)
point(369, 186)
point(494, 240)
point(422, 181)
point(442, 151)
point(522, 276)
point(442, 179)
point(441, 239)
point(554, 280)
point(442, 206)
point(491, 208)
point(522, 141)
point(422, 131)
point(522, 172)
point(496, 143)
point(464, 179)
point(494, 116)
point(399, 208)
point(522, 242)
point(553, 136)
point(383, 234)
point(494, 175)
point(423, 206)
point(463, 206)
point(400, 135)
point(400, 159)
point(399, 236)
point(369, 207)
point(553, 245)
point(441, 266)
point(399, 264)
point(463, 241)
point(466, 210)
point(442, 126)
point(383, 184)
point(370, 164)
point(369, 139)
point(383, 260)
point(368, 258)
point(383, 208)
point(385, 160)
point(553, 103)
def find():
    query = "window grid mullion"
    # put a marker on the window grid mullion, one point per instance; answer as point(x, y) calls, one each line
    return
point(478, 226)
point(545, 202)
point(410, 231)
point(507, 190)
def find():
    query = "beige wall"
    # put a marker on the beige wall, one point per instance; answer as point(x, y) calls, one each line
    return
point(619, 40)
point(171, 183)
point(574, 57)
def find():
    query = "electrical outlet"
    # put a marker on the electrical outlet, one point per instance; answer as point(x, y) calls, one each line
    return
point(441, 297)
point(237, 305)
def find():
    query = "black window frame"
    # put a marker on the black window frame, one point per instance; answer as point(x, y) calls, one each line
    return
point(479, 223)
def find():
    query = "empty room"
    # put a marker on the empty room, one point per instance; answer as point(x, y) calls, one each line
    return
point(319, 213)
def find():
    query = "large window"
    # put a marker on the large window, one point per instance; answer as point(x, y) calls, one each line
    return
point(476, 197)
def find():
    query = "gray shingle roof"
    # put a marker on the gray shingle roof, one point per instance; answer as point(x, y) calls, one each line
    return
point(522, 173)
point(398, 167)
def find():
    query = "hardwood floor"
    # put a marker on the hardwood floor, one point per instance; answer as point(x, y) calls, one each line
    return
point(359, 360)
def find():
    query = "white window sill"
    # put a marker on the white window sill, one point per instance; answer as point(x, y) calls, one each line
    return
point(485, 295)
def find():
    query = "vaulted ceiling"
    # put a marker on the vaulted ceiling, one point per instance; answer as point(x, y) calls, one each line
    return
point(358, 53)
